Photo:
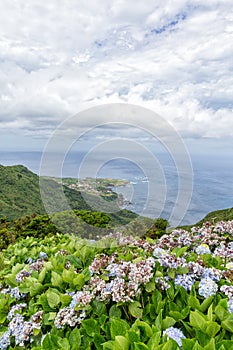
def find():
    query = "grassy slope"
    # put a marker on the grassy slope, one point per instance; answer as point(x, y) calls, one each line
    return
point(20, 195)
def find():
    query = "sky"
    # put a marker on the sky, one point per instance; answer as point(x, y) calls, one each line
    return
point(59, 58)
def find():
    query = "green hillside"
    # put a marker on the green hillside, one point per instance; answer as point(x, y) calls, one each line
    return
point(218, 215)
point(20, 193)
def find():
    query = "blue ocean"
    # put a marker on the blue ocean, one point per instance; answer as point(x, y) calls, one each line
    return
point(212, 181)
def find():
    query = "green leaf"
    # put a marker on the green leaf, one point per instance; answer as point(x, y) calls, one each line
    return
point(133, 335)
point(98, 341)
point(168, 322)
point(140, 346)
point(79, 281)
point(114, 311)
point(144, 328)
point(210, 345)
point(202, 337)
point(99, 308)
point(64, 344)
point(53, 299)
point(56, 280)
point(135, 310)
point(75, 339)
point(35, 288)
point(221, 311)
point(194, 303)
point(68, 276)
point(188, 344)
point(206, 303)
point(91, 327)
point(158, 321)
point(212, 328)
point(197, 320)
point(118, 327)
point(176, 315)
point(226, 344)
point(150, 287)
point(170, 345)
point(42, 275)
point(228, 325)
point(121, 343)
point(109, 345)
point(154, 341)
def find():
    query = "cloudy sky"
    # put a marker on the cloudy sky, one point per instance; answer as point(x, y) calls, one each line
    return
point(60, 57)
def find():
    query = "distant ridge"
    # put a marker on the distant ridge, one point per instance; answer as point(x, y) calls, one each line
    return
point(20, 193)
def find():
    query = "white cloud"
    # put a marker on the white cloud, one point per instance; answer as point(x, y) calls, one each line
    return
point(174, 57)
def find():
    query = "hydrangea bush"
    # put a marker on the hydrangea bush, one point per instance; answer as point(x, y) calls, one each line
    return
point(119, 293)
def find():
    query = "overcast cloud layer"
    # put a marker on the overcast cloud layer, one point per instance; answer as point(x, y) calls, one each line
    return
point(60, 57)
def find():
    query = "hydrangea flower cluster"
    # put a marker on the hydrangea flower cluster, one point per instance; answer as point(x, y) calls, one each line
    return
point(186, 281)
point(20, 329)
point(175, 334)
point(33, 266)
point(207, 287)
point(13, 292)
point(69, 316)
point(203, 249)
point(124, 278)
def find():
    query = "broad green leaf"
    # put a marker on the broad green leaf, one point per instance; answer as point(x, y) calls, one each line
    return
point(197, 320)
point(135, 309)
point(168, 322)
point(206, 303)
point(79, 281)
point(228, 325)
point(170, 345)
point(64, 344)
point(121, 343)
point(210, 345)
point(188, 344)
point(56, 280)
point(158, 321)
point(194, 303)
point(133, 335)
point(176, 315)
point(140, 346)
point(75, 339)
point(221, 312)
point(154, 341)
point(212, 328)
point(36, 288)
point(115, 311)
point(118, 327)
point(109, 345)
point(98, 341)
point(99, 308)
point(53, 299)
point(226, 344)
point(91, 327)
point(150, 287)
point(143, 327)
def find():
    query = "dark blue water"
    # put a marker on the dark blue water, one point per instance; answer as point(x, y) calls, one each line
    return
point(212, 181)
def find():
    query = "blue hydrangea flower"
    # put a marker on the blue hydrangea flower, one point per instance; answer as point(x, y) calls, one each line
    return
point(159, 252)
point(230, 305)
point(203, 249)
point(212, 273)
point(43, 255)
point(112, 268)
point(175, 334)
point(185, 281)
point(207, 287)
point(5, 341)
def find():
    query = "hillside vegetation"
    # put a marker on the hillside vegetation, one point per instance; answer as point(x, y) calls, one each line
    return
point(61, 292)
point(20, 196)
